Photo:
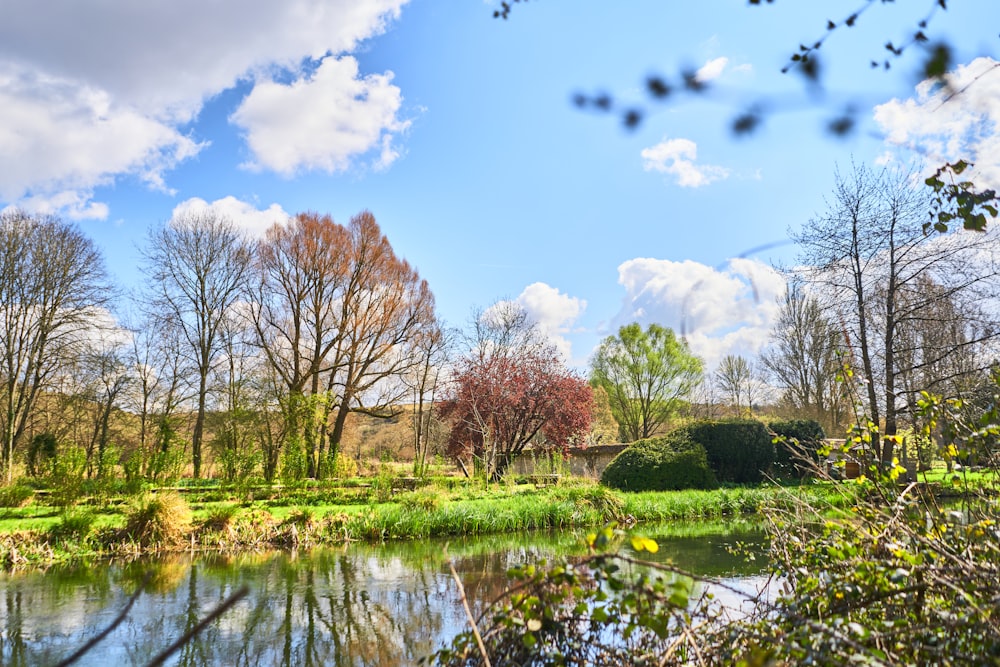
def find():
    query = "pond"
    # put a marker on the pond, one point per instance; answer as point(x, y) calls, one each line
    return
point(358, 605)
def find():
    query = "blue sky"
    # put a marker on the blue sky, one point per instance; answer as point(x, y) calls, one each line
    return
point(458, 133)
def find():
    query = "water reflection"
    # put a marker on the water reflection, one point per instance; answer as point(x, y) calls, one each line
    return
point(359, 605)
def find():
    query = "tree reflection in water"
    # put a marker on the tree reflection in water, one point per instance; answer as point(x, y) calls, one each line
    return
point(360, 605)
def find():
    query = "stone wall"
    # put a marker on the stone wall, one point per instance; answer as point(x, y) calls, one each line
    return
point(580, 461)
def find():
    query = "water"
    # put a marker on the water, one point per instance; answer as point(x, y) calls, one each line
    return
point(358, 605)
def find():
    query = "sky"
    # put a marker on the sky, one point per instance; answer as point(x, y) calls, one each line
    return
point(459, 133)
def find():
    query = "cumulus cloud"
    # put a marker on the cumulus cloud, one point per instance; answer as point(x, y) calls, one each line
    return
point(946, 127)
point(555, 313)
point(720, 311)
point(677, 158)
point(60, 140)
point(712, 69)
point(97, 91)
point(321, 121)
point(244, 215)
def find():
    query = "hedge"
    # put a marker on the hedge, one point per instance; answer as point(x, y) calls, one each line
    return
point(803, 438)
point(739, 451)
point(668, 463)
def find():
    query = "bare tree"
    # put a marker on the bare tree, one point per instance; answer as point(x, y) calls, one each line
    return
point(386, 309)
point(431, 348)
point(739, 381)
point(865, 254)
point(107, 377)
point(301, 275)
point(803, 359)
point(52, 281)
point(197, 264)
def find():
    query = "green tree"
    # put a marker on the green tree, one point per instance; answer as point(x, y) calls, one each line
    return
point(646, 374)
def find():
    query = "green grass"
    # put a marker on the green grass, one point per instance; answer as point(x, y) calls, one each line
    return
point(298, 516)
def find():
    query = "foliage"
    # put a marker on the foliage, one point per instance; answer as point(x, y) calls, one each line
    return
point(42, 453)
point(602, 609)
point(74, 525)
point(67, 478)
point(426, 500)
point(161, 519)
point(17, 494)
point(511, 388)
point(739, 451)
point(796, 446)
point(672, 462)
point(604, 429)
point(899, 579)
point(343, 467)
point(960, 200)
point(646, 375)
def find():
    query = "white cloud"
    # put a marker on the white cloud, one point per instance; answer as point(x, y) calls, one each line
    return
point(92, 92)
point(966, 125)
point(720, 311)
point(712, 69)
point(677, 158)
point(555, 314)
point(321, 121)
point(245, 216)
point(60, 140)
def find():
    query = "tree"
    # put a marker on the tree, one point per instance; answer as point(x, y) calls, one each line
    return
point(52, 282)
point(387, 310)
point(432, 350)
point(338, 316)
point(803, 359)
point(301, 275)
point(647, 374)
point(106, 377)
point(738, 380)
point(197, 265)
point(510, 388)
point(868, 255)
point(604, 428)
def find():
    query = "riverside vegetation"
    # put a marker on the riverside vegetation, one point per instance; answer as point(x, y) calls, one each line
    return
point(39, 529)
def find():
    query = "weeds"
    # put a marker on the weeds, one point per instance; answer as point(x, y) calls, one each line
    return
point(160, 519)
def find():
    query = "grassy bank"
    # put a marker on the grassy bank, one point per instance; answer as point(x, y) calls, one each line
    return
point(38, 534)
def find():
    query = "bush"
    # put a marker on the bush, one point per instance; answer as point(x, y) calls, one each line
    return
point(668, 463)
point(163, 518)
point(425, 500)
point(739, 451)
point(42, 454)
point(343, 467)
point(18, 494)
point(76, 525)
point(802, 439)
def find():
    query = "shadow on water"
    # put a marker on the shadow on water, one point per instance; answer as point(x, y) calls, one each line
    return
point(357, 605)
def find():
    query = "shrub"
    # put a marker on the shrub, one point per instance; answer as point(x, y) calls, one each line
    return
point(42, 454)
point(163, 518)
point(73, 525)
point(18, 494)
point(670, 462)
point(343, 467)
point(427, 500)
point(798, 445)
point(220, 519)
point(739, 451)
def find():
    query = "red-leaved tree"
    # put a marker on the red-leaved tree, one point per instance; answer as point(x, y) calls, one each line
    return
point(511, 389)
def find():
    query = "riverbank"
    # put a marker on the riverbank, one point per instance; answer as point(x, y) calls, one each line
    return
point(219, 519)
